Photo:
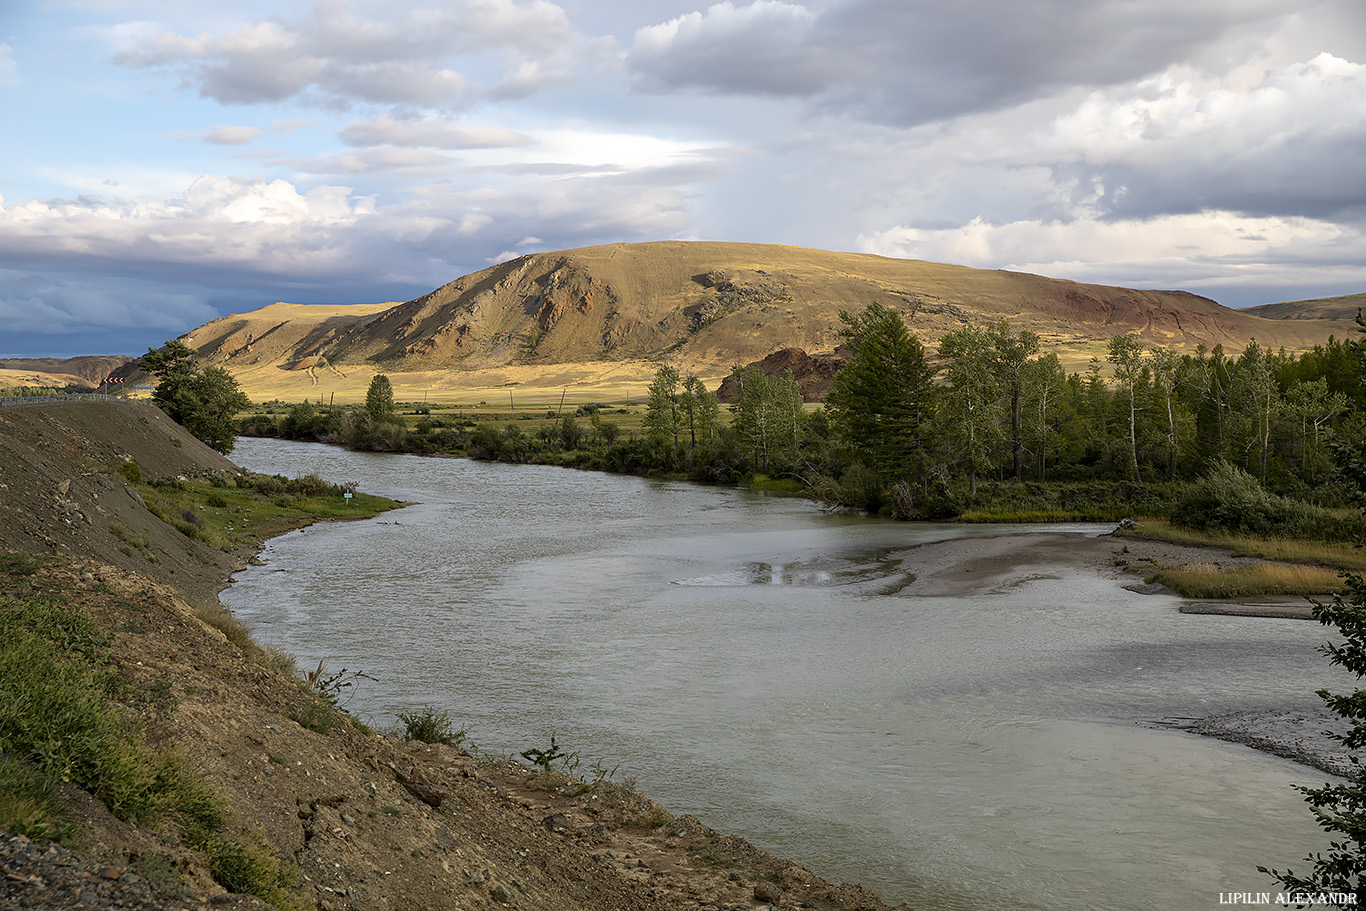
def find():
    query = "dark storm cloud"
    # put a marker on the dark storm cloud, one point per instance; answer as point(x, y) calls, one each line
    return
point(904, 63)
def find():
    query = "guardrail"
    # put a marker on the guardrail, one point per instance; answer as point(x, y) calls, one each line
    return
point(65, 397)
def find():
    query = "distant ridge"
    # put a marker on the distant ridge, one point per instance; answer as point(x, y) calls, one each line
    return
point(89, 370)
point(1344, 307)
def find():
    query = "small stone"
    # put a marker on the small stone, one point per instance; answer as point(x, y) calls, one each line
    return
point(349, 820)
point(90, 898)
point(110, 873)
point(477, 877)
point(766, 893)
point(501, 894)
point(132, 878)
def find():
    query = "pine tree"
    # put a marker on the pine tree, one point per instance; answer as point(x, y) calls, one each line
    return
point(881, 400)
point(203, 401)
point(1340, 809)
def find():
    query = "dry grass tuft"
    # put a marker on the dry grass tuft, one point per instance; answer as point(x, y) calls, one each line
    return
point(1285, 550)
point(1209, 580)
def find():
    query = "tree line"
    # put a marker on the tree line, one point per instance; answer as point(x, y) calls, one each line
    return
point(989, 415)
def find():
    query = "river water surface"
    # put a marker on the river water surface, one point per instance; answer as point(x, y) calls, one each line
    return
point(748, 659)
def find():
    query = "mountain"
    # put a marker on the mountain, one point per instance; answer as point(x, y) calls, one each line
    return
point(600, 318)
point(1340, 308)
point(51, 371)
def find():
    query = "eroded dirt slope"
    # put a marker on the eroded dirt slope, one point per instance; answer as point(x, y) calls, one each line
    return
point(367, 821)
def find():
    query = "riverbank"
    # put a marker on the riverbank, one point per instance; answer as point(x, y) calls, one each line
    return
point(353, 819)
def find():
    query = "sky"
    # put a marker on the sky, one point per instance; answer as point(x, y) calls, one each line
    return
point(166, 162)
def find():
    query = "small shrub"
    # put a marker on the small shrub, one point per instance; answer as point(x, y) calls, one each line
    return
point(223, 620)
point(20, 564)
point(316, 715)
point(430, 725)
point(131, 471)
point(250, 869)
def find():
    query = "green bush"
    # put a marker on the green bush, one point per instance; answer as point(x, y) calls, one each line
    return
point(430, 725)
point(1230, 499)
point(131, 471)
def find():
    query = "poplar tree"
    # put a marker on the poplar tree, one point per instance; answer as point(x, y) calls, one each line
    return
point(971, 415)
point(1126, 354)
point(661, 409)
point(1012, 351)
point(379, 398)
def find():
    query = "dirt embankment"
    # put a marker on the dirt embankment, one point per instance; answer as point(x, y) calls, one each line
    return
point(369, 822)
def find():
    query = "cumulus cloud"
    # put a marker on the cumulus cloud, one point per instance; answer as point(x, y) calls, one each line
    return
point(392, 57)
point(904, 63)
point(1295, 144)
point(232, 136)
point(428, 133)
point(263, 226)
point(380, 160)
point(239, 233)
point(1205, 251)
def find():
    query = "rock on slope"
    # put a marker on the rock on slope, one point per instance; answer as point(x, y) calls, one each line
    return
point(369, 822)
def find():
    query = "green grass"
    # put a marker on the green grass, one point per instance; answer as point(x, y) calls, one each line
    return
point(1008, 514)
point(777, 485)
point(61, 721)
point(245, 511)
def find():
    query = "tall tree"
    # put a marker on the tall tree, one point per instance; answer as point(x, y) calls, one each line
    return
point(768, 416)
point(1044, 385)
point(972, 406)
point(1211, 376)
point(1126, 355)
point(379, 398)
point(701, 411)
point(661, 409)
point(1168, 372)
point(203, 401)
point(1256, 400)
point(881, 400)
point(1012, 352)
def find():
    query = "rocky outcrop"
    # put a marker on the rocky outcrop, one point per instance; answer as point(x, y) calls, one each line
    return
point(814, 373)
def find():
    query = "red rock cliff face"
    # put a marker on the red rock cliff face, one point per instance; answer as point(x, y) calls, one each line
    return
point(813, 374)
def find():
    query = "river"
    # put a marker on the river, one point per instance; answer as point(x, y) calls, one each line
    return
point(747, 659)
